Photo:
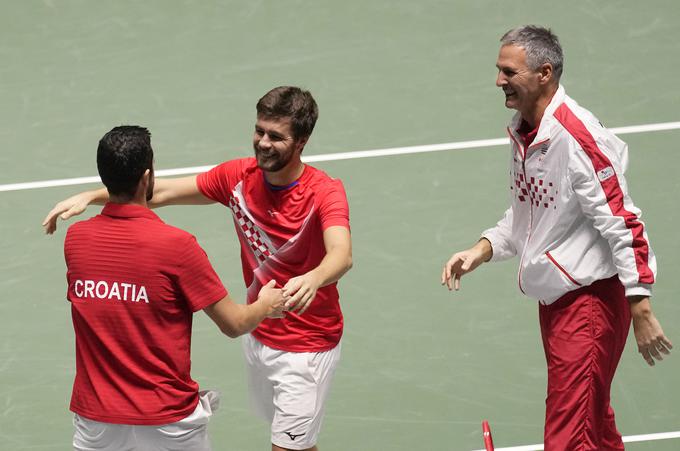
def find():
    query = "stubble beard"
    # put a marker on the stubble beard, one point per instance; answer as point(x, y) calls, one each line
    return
point(273, 162)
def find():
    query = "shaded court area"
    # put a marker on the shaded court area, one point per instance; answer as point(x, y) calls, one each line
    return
point(421, 367)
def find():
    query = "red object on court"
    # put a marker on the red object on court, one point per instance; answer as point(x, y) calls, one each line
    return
point(486, 432)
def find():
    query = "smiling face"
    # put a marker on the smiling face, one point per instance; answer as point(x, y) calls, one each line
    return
point(521, 85)
point(275, 146)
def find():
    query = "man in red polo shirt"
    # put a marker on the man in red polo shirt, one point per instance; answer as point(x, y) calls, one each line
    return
point(292, 221)
point(134, 283)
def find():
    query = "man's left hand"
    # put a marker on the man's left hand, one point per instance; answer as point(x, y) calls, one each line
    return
point(299, 293)
point(651, 341)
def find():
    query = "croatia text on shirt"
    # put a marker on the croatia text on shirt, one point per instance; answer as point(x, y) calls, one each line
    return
point(102, 290)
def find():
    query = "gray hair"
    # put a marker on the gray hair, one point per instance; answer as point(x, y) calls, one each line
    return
point(540, 44)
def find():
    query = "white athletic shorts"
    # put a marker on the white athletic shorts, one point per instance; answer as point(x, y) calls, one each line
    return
point(187, 434)
point(289, 390)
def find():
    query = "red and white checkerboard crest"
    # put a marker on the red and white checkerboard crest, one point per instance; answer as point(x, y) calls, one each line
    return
point(534, 191)
point(257, 239)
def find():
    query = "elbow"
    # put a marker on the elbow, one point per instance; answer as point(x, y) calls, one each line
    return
point(238, 329)
point(230, 331)
point(349, 263)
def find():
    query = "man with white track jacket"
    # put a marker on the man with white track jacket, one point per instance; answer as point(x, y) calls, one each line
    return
point(584, 253)
point(571, 222)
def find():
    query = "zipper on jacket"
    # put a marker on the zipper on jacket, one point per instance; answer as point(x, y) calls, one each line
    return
point(531, 209)
point(532, 145)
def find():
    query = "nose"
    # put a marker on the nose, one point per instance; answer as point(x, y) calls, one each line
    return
point(501, 80)
point(265, 142)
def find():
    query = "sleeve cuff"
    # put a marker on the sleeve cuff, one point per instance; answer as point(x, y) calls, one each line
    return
point(498, 252)
point(642, 289)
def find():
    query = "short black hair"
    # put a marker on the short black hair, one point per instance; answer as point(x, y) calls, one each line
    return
point(290, 102)
point(123, 155)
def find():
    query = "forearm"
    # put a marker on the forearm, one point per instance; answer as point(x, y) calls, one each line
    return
point(484, 248)
point(338, 258)
point(300, 291)
point(333, 266)
point(98, 197)
point(177, 191)
point(162, 194)
point(639, 305)
point(249, 316)
point(237, 319)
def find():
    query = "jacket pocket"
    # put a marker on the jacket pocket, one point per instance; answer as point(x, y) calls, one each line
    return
point(560, 268)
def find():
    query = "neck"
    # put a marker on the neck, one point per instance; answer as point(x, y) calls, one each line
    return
point(285, 176)
point(122, 200)
point(534, 116)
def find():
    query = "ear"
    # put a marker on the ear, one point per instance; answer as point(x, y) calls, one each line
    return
point(145, 180)
point(545, 73)
point(300, 144)
point(146, 177)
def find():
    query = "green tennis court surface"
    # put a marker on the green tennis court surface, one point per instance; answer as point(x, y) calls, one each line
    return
point(421, 367)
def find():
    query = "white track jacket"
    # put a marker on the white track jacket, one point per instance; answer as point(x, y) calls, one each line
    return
point(571, 220)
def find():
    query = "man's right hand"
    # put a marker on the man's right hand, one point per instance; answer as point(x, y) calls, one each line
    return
point(464, 262)
point(67, 208)
point(273, 298)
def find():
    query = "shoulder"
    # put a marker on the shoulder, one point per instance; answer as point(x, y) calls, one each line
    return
point(231, 170)
point(329, 193)
point(171, 245)
point(580, 126)
point(82, 228)
point(237, 165)
point(169, 235)
point(218, 182)
point(576, 119)
point(321, 182)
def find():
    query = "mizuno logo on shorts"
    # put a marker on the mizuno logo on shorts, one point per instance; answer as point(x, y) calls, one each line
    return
point(294, 436)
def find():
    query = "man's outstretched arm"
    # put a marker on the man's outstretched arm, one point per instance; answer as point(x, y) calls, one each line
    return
point(175, 191)
point(237, 319)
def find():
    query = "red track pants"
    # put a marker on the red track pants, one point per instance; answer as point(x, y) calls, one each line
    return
point(584, 333)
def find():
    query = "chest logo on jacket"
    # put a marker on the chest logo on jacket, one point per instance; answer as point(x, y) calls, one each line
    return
point(535, 191)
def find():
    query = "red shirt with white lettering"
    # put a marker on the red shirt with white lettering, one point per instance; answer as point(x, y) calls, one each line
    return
point(281, 234)
point(134, 283)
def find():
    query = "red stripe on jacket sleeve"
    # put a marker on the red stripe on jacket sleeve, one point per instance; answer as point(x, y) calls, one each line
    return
point(611, 188)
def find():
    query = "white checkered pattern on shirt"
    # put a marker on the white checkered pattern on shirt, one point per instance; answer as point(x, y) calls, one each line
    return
point(251, 232)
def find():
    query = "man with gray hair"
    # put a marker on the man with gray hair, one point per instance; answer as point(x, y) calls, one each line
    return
point(584, 253)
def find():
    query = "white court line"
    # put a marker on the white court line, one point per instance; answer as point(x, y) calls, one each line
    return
point(628, 439)
point(341, 156)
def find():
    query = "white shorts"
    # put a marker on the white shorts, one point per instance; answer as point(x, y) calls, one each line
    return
point(187, 434)
point(289, 389)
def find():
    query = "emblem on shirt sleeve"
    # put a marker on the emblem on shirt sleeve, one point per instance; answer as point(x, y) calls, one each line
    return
point(604, 174)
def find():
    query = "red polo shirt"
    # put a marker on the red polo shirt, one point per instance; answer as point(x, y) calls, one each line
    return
point(134, 283)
